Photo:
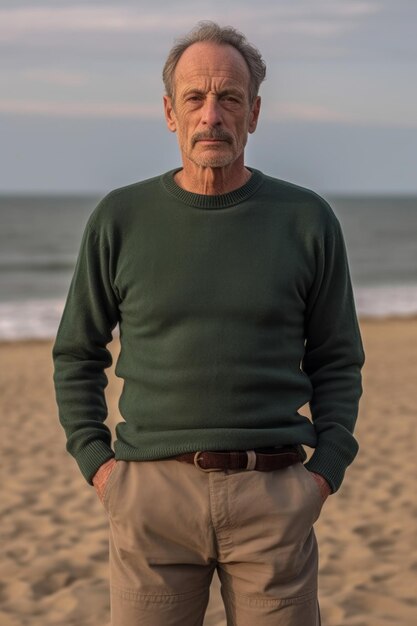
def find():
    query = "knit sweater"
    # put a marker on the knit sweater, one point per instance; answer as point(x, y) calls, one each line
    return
point(234, 311)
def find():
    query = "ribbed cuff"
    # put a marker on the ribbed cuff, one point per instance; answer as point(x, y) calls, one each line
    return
point(92, 456)
point(330, 462)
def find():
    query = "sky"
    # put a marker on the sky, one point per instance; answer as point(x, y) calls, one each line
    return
point(81, 91)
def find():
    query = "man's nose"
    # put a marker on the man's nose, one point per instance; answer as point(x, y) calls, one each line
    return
point(211, 114)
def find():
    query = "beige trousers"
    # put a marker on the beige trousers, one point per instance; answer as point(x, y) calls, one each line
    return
point(172, 525)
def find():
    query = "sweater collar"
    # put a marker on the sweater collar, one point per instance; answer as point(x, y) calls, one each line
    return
point(221, 201)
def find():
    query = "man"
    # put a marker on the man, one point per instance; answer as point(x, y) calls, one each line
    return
point(232, 293)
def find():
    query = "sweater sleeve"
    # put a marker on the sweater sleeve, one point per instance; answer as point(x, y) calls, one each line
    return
point(80, 354)
point(333, 359)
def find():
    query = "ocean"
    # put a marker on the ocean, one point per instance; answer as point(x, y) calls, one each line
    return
point(40, 237)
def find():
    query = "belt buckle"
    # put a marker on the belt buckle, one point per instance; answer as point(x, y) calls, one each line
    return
point(250, 464)
point(203, 469)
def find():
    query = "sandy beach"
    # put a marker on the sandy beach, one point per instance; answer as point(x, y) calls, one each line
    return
point(53, 531)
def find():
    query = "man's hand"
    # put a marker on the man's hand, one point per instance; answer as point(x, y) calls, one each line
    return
point(101, 476)
point(324, 486)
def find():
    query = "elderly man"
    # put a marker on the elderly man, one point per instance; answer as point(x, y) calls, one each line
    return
point(233, 298)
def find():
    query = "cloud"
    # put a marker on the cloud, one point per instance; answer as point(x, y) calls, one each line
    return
point(281, 111)
point(58, 77)
point(308, 112)
point(304, 112)
point(18, 22)
point(278, 113)
point(324, 17)
point(80, 109)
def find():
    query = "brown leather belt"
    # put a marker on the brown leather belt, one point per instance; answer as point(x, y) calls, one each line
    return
point(261, 459)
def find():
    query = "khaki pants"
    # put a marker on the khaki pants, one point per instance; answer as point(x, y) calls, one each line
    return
point(172, 525)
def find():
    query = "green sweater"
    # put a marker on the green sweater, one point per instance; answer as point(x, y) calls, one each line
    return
point(234, 311)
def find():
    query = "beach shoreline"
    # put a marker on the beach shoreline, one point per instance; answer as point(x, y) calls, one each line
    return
point(54, 530)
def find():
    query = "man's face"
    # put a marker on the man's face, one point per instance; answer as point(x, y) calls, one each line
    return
point(211, 112)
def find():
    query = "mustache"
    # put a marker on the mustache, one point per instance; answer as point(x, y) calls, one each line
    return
point(214, 133)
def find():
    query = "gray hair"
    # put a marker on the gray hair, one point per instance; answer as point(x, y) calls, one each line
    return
point(227, 35)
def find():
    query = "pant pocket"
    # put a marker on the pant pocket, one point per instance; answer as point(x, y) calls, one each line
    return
point(314, 489)
point(111, 484)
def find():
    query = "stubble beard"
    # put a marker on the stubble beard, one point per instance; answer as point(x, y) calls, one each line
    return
point(220, 158)
point(208, 160)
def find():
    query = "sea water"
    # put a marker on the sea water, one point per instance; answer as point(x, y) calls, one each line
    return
point(40, 238)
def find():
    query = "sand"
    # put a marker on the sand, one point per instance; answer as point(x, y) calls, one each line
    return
point(53, 529)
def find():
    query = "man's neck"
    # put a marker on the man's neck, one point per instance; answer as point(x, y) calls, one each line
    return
point(212, 181)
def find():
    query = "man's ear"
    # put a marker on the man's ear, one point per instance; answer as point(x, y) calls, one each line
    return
point(169, 114)
point(254, 114)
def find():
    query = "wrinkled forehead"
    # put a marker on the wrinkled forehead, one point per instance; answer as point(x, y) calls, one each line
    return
point(205, 61)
